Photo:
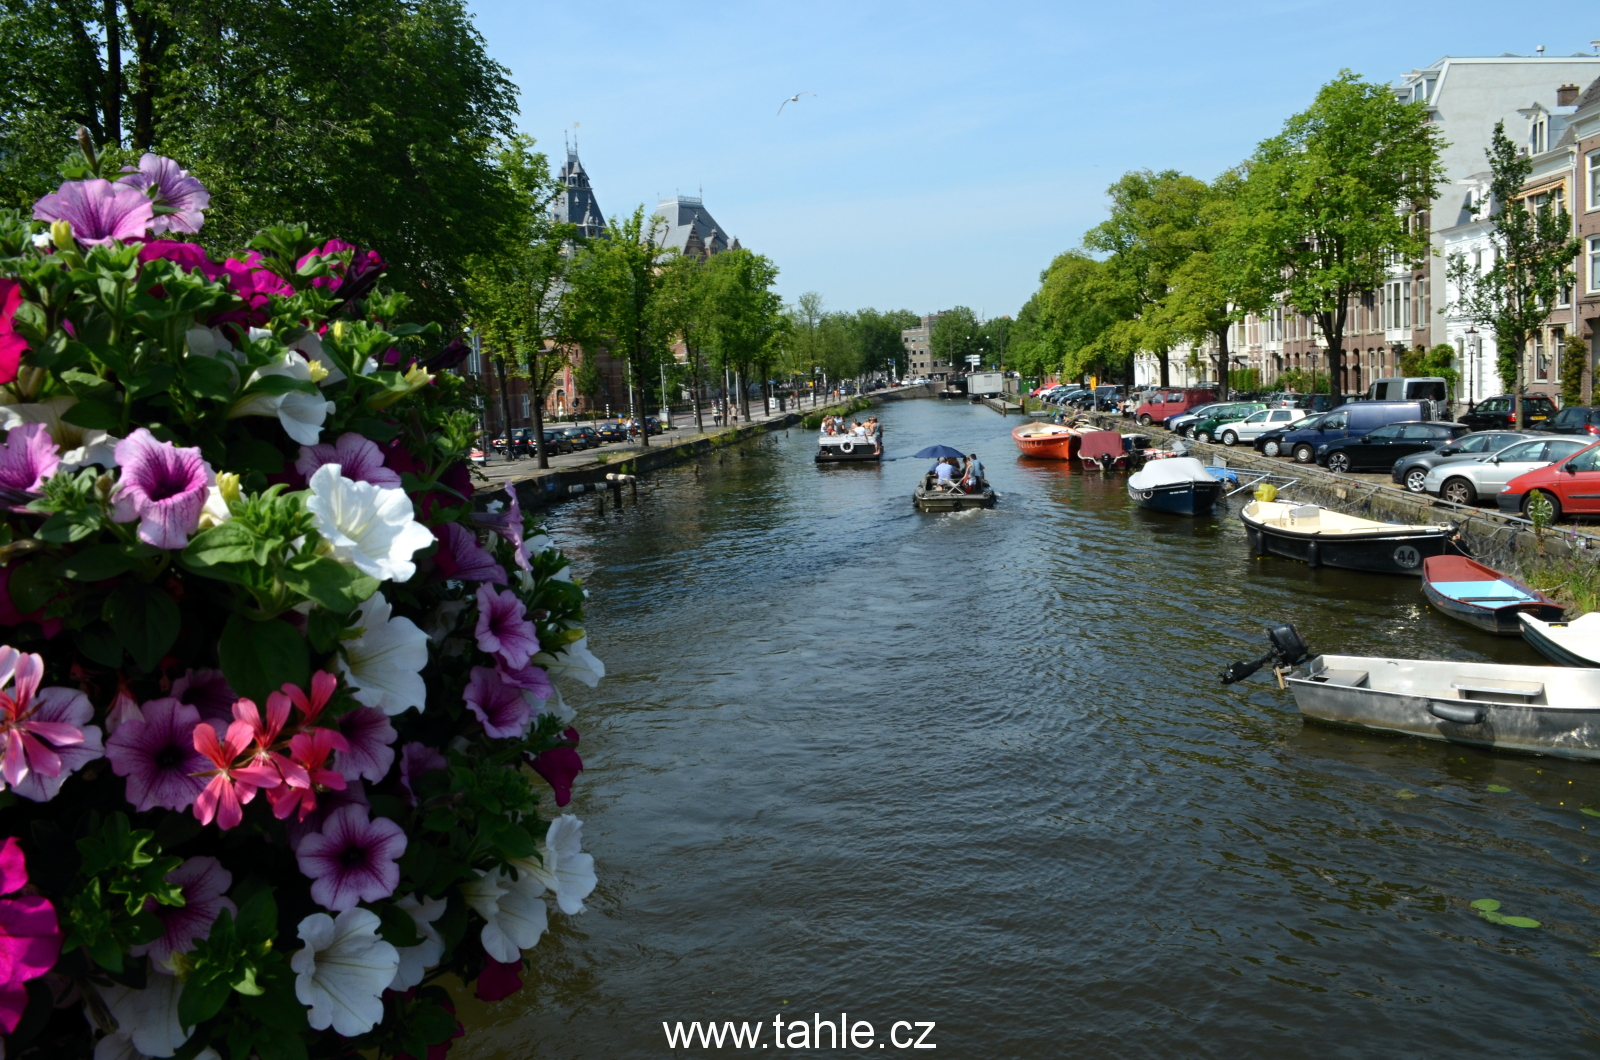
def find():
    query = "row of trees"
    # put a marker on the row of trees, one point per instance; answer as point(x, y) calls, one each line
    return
point(544, 298)
point(379, 120)
point(1318, 216)
point(840, 345)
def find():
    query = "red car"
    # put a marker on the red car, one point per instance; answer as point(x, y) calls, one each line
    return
point(1165, 404)
point(1571, 485)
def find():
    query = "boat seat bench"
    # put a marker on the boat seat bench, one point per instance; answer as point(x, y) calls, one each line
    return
point(1519, 689)
point(1352, 678)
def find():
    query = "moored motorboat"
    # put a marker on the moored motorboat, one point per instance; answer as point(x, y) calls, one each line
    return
point(1322, 537)
point(1575, 643)
point(1551, 710)
point(1047, 441)
point(1481, 596)
point(1180, 485)
point(1102, 450)
point(929, 496)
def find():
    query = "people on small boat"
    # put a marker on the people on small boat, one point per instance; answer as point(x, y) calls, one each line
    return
point(972, 478)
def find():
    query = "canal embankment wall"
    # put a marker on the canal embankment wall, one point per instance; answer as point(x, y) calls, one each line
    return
point(540, 487)
point(1497, 538)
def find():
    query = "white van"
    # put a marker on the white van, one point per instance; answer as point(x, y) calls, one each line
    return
point(1434, 389)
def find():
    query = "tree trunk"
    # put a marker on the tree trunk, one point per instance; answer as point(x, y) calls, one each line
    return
point(638, 382)
point(1166, 374)
point(694, 368)
point(111, 102)
point(1222, 363)
point(505, 403)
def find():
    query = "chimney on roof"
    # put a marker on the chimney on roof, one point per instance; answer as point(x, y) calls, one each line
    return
point(1566, 95)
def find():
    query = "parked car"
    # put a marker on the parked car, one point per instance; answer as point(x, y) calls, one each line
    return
point(1487, 476)
point(1410, 471)
point(652, 425)
point(1206, 429)
point(1350, 421)
point(516, 443)
point(1180, 424)
point(1574, 419)
point(582, 436)
point(1271, 442)
point(1256, 424)
point(1312, 402)
point(556, 442)
point(1167, 403)
point(611, 431)
point(1382, 446)
point(1495, 413)
point(1572, 485)
point(1414, 388)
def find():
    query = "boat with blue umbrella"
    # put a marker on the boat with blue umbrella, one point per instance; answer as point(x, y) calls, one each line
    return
point(1180, 485)
point(1481, 596)
point(956, 493)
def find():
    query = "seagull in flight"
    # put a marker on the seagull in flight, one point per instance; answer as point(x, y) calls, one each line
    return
point(794, 99)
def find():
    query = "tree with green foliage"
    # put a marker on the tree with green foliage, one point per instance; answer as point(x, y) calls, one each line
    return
point(518, 297)
point(378, 120)
point(682, 317)
point(997, 340)
point(955, 336)
point(1533, 252)
point(743, 314)
point(1574, 365)
point(616, 281)
point(1437, 360)
point(876, 334)
point(1329, 204)
point(1083, 317)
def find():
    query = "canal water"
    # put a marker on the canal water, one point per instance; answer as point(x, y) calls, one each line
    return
point(978, 770)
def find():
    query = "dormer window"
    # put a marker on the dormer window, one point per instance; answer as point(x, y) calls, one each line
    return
point(1541, 135)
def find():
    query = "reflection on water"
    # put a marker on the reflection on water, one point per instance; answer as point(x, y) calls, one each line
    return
point(978, 769)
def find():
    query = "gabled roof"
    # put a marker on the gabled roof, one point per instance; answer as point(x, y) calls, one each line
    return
point(1591, 95)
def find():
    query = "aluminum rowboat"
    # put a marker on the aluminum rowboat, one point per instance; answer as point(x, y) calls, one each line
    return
point(1549, 710)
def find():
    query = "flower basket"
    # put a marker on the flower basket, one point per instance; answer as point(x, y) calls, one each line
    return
point(279, 702)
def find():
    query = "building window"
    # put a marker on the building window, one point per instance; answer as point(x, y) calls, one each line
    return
point(1594, 264)
point(1540, 367)
point(1564, 296)
point(1594, 181)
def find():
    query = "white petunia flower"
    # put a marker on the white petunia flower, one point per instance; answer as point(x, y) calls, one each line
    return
point(99, 448)
point(370, 527)
point(515, 913)
point(575, 660)
point(343, 970)
point(384, 664)
point(416, 960)
point(147, 1020)
point(565, 869)
point(301, 414)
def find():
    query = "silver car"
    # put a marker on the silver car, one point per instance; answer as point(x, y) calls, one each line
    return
point(1463, 482)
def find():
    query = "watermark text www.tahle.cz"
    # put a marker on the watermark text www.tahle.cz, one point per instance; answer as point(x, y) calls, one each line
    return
point(816, 1033)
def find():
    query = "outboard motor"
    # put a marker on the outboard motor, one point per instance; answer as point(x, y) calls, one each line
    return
point(1288, 649)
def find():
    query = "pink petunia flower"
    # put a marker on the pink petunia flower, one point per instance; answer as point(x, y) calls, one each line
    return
point(182, 198)
point(124, 708)
point(253, 283)
point(560, 766)
point(158, 756)
point(29, 457)
point(415, 760)
point(329, 803)
point(461, 557)
point(162, 486)
point(231, 786)
point(503, 709)
point(499, 979)
point(208, 692)
point(30, 936)
point(309, 751)
point(12, 345)
point(46, 730)
point(532, 678)
point(98, 210)
point(508, 524)
point(352, 859)
point(369, 737)
point(503, 628)
point(191, 256)
point(358, 458)
point(204, 883)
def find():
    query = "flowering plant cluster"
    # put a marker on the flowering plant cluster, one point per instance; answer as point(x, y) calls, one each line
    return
point(278, 701)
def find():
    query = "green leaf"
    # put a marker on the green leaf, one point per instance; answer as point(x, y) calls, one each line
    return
point(156, 380)
point(33, 585)
point(232, 542)
point(323, 629)
point(208, 378)
point(202, 998)
point(71, 526)
point(396, 925)
point(330, 583)
point(380, 431)
point(1491, 916)
point(97, 563)
point(1486, 904)
point(258, 918)
point(1498, 789)
point(252, 454)
point(1591, 813)
point(100, 644)
point(259, 658)
point(279, 384)
point(1519, 922)
point(145, 620)
point(95, 415)
point(86, 384)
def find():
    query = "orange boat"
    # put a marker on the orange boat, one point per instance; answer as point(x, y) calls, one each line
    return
point(1047, 441)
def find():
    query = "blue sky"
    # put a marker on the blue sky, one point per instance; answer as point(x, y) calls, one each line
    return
point(952, 149)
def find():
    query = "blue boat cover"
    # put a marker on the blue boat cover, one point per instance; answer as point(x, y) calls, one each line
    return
point(1486, 591)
